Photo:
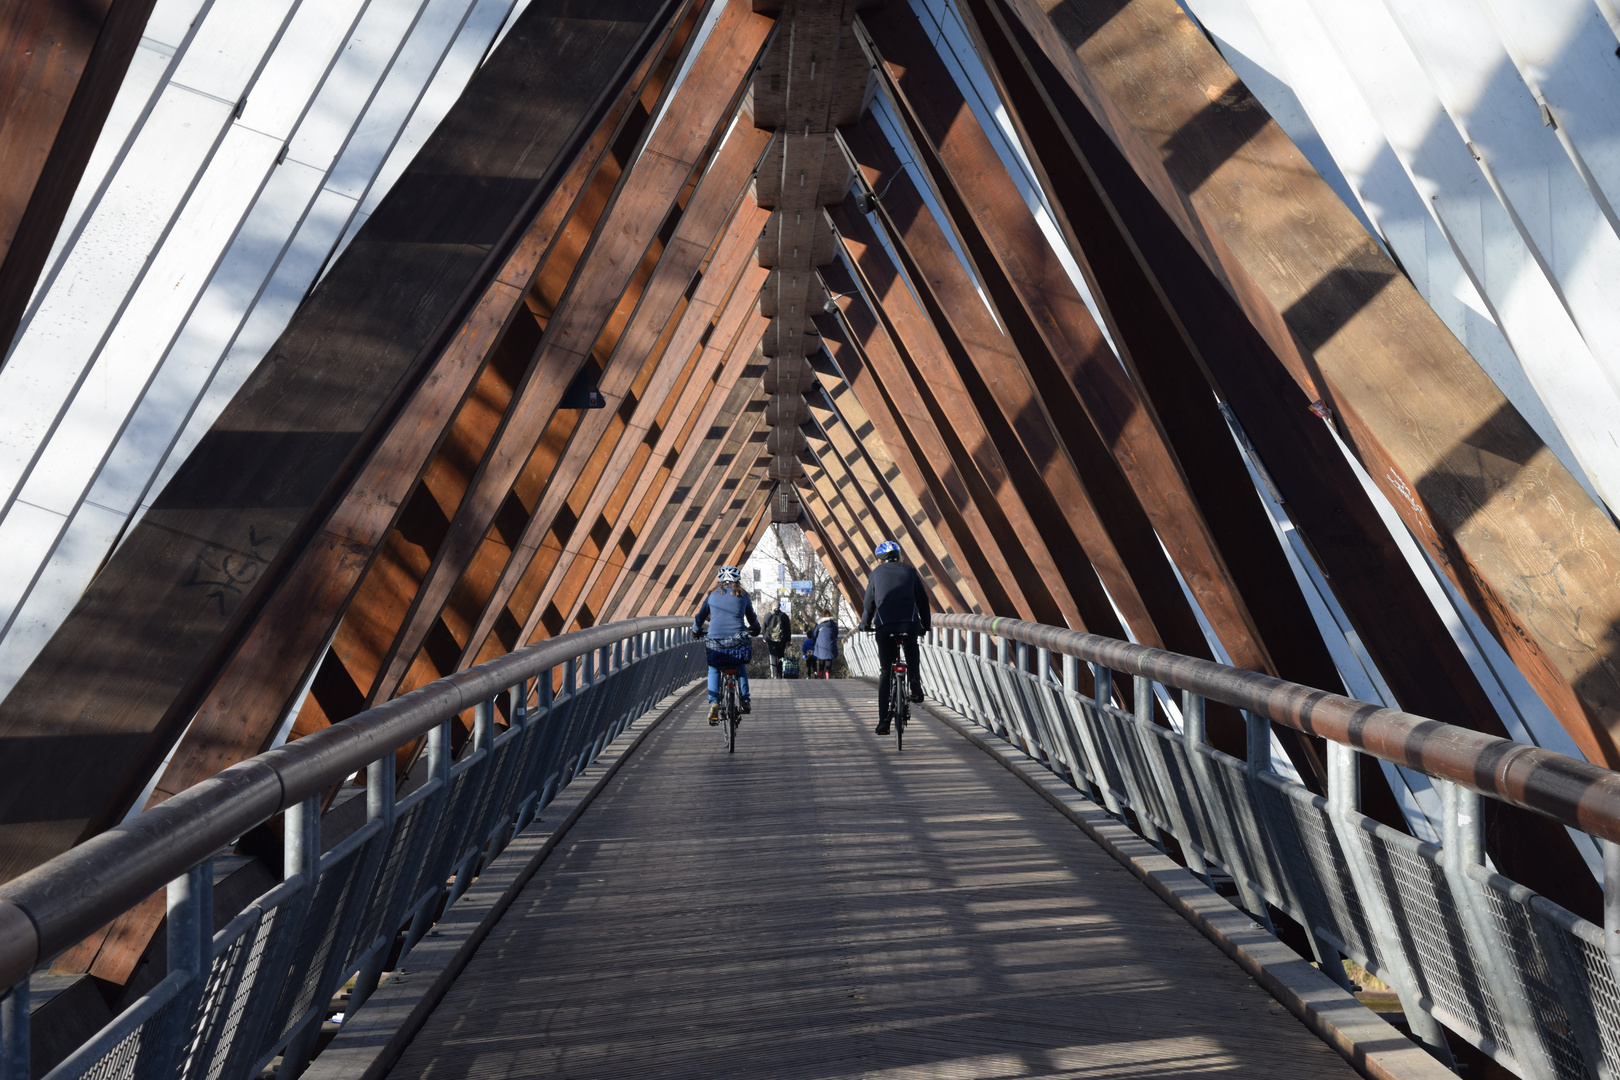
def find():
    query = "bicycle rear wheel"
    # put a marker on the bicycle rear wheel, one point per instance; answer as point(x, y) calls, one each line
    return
point(898, 707)
point(729, 715)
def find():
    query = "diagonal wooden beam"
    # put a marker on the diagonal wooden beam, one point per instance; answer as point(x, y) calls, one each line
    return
point(64, 64)
point(875, 470)
point(851, 538)
point(886, 439)
point(846, 578)
point(677, 358)
point(1091, 183)
point(663, 167)
point(1032, 517)
point(1473, 483)
point(853, 471)
point(881, 370)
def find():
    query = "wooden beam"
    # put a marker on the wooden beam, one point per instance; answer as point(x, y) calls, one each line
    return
point(876, 471)
point(885, 439)
point(1411, 647)
point(1493, 506)
point(887, 508)
point(134, 660)
point(881, 370)
point(1081, 366)
point(652, 354)
point(64, 64)
point(1032, 519)
point(694, 117)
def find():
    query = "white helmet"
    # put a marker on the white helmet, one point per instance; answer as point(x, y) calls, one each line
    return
point(728, 575)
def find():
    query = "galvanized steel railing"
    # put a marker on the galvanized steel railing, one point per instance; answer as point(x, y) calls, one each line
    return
point(1529, 983)
point(233, 1001)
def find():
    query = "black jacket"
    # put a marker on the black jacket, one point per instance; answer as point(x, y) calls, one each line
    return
point(895, 597)
point(774, 620)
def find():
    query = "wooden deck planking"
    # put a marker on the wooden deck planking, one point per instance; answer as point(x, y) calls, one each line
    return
point(819, 906)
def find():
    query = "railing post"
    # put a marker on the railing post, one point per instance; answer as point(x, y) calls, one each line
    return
point(15, 1055)
point(1142, 691)
point(1462, 846)
point(1344, 790)
point(380, 806)
point(1083, 732)
point(189, 943)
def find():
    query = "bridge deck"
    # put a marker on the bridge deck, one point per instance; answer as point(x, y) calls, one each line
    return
point(818, 906)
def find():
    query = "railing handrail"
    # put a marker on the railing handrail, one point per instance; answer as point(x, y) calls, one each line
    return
point(1570, 791)
point(60, 901)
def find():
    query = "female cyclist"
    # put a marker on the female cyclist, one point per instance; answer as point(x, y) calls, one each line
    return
point(727, 619)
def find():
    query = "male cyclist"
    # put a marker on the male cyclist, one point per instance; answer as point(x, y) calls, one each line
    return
point(897, 610)
point(727, 618)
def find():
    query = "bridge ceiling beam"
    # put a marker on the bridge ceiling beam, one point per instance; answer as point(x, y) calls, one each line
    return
point(849, 582)
point(1458, 463)
point(875, 467)
point(1067, 354)
point(886, 439)
point(848, 458)
point(694, 119)
point(555, 570)
point(229, 651)
point(1094, 498)
point(994, 467)
point(727, 356)
point(825, 483)
point(873, 367)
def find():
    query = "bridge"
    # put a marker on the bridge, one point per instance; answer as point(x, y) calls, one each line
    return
point(385, 381)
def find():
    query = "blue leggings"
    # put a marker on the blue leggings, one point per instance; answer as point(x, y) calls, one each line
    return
point(714, 684)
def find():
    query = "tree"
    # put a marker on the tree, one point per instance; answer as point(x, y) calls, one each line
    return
point(785, 546)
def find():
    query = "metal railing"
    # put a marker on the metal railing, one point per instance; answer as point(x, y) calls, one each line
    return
point(233, 1001)
point(1527, 982)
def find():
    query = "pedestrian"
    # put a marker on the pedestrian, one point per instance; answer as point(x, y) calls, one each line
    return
point(826, 642)
point(778, 631)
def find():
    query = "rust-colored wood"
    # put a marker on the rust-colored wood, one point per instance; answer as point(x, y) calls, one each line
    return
point(887, 509)
point(1514, 532)
point(882, 434)
point(883, 369)
point(1394, 619)
point(133, 661)
point(61, 64)
point(640, 374)
point(663, 167)
point(686, 449)
point(977, 434)
point(1089, 491)
point(849, 583)
point(877, 472)
point(827, 474)
point(1083, 367)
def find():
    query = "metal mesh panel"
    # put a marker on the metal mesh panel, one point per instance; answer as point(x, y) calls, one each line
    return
point(1231, 778)
point(1146, 799)
point(1524, 938)
point(1317, 872)
point(142, 1054)
point(324, 916)
point(218, 1012)
point(1425, 914)
point(385, 899)
point(1184, 789)
point(1594, 971)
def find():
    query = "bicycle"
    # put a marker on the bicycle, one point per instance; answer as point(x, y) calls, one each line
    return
point(730, 708)
point(899, 701)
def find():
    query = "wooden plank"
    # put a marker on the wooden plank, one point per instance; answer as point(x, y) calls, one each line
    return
point(715, 216)
point(887, 508)
point(857, 934)
point(1082, 366)
point(887, 437)
point(133, 661)
point(1030, 512)
point(64, 64)
point(1515, 533)
point(1394, 619)
point(877, 473)
point(883, 370)
point(661, 170)
point(1092, 494)
point(849, 582)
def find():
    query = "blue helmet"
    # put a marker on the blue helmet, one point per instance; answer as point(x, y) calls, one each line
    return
point(728, 575)
point(886, 551)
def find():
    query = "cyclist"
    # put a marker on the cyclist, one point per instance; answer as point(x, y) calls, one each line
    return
point(825, 635)
point(778, 632)
point(896, 610)
point(727, 619)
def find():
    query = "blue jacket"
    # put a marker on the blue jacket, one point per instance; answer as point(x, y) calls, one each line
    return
point(726, 615)
point(826, 635)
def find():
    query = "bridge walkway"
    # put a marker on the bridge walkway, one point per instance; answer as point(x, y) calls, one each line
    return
point(820, 906)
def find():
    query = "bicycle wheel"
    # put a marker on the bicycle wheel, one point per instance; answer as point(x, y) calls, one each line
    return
point(729, 715)
point(897, 706)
